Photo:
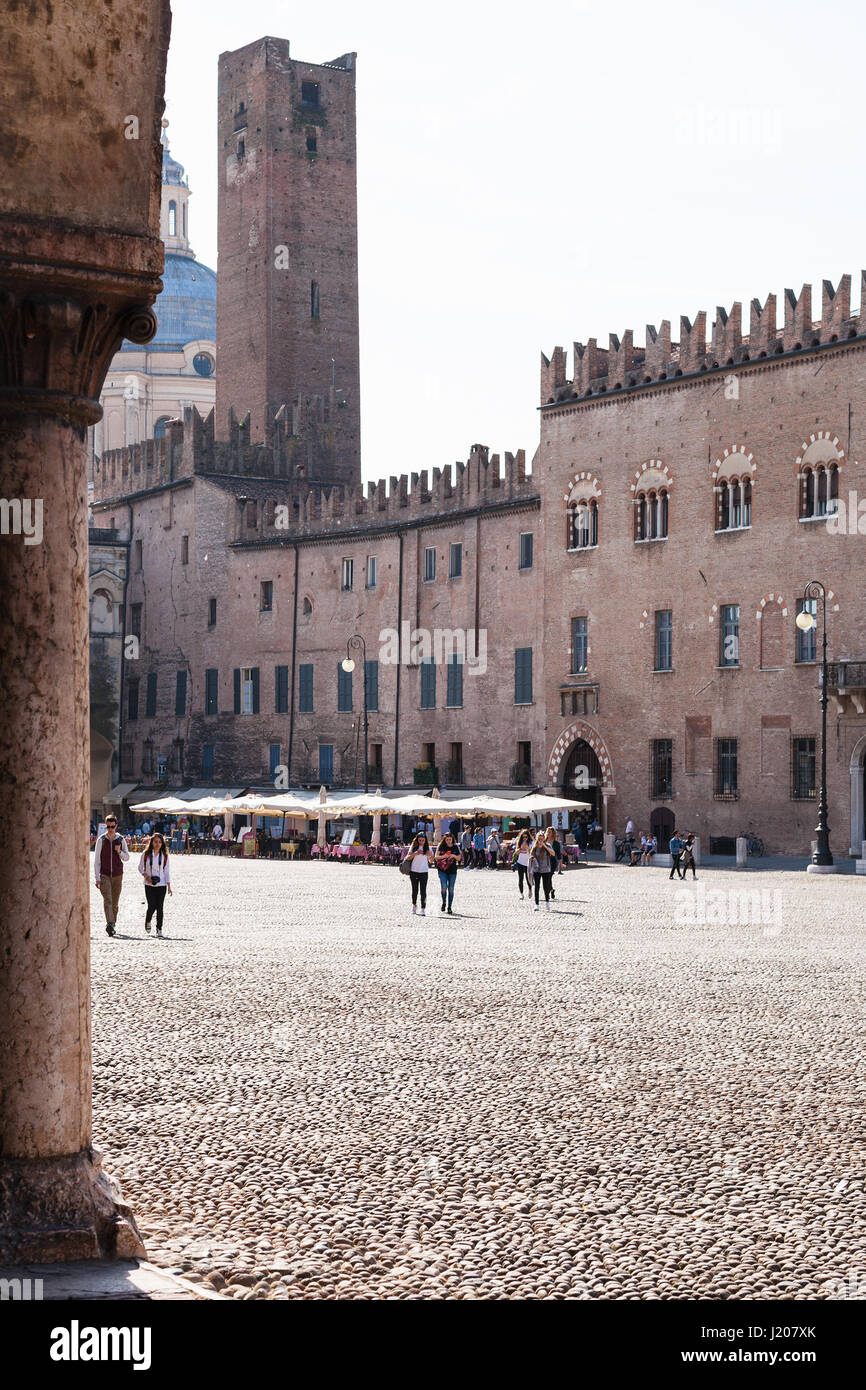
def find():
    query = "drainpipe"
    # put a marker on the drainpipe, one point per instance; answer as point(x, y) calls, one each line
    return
point(399, 658)
point(292, 672)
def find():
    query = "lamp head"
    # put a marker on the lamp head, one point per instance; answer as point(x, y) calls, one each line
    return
point(805, 621)
point(348, 665)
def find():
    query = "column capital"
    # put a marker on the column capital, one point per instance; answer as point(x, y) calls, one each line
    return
point(67, 301)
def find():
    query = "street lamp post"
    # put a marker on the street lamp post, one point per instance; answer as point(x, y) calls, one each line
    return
point(822, 859)
point(357, 643)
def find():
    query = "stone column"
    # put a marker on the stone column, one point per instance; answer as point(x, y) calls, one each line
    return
point(80, 260)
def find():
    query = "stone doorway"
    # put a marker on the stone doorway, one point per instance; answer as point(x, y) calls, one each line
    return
point(662, 825)
point(858, 796)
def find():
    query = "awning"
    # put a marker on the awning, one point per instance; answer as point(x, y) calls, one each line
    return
point(212, 793)
point(120, 792)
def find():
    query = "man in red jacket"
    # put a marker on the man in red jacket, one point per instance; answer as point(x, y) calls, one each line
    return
point(109, 853)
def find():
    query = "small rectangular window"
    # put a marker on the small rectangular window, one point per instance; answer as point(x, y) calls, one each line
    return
point(310, 93)
point(726, 782)
point(266, 597)
point(132, 700)
point(455, 567)
point(526, 549)
point(729, 635)
point(664, 658)
point(372, 571)
point(184, 550)
point(211, 612)
point(579, 645)
point(249, 690)
point(661, 768)
point(242, 147)
point(180, 695)
point(135, 619)
point(211, 691)
point(807, 642)
point(348, 574)
point(314, 299)
point(344, 690)
point(312, 143)
point(207, 763)
point(150, 697)
point(139, 559)
point(305, 688)
point(429, 564)
point(803, 784)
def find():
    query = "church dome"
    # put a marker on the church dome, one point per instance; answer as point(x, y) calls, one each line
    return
point(186, 309)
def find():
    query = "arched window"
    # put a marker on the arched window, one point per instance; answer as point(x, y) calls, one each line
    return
point(159, 427)
point(583, 524)
point(651, 515)
point(733, 504)
point(307, 608)
point(663, 514)
point(172, 218)
point(818, 477)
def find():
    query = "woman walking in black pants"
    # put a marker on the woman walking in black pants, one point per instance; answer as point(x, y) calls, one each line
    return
point(419, 869)
point(521, 862)
point(542, 863)
point(153, 865)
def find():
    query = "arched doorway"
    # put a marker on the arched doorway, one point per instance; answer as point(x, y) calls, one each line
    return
point(581, 777)
point(858, 796)
point(580, 767)
point(662, 826)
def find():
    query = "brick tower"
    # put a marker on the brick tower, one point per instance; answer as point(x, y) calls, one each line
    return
point(287, 291)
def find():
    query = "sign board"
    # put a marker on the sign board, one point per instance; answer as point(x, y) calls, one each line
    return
point(559, 820)
point(348, 837)
point(249, 847)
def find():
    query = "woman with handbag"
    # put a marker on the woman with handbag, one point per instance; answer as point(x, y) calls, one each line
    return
point(542, 862)
point(418, 860)
point(153, 865)
point(446, 859)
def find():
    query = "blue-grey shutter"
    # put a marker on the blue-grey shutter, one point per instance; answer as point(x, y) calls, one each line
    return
point(455, 682)
point(371, 676)
point(523, 676)
point(281, 689)
point(344, 690)
point(211, 691)
point(150, 708)
point(255, 690)
point(237, 690)
point(180, 695)
point(428, 683)
point(305, 688)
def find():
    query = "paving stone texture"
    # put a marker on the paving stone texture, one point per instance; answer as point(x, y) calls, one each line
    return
point(306, 1092)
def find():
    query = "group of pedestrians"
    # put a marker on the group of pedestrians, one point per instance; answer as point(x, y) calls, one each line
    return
point(682, 855)
point(478, 852)
point(111, 852)
point(536, 857)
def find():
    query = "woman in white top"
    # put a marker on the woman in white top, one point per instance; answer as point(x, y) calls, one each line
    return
point(153, 866)
point(521, 861)
point(419, 857)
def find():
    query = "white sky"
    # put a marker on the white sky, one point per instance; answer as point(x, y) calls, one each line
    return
point(533, 174)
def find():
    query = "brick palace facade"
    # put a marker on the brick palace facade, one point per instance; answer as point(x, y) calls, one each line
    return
point(624, 609)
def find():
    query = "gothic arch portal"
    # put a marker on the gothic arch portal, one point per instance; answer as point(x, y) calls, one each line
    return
point(581, 732)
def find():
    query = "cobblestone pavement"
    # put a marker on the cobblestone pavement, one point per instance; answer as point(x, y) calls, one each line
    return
point(306, 1092)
